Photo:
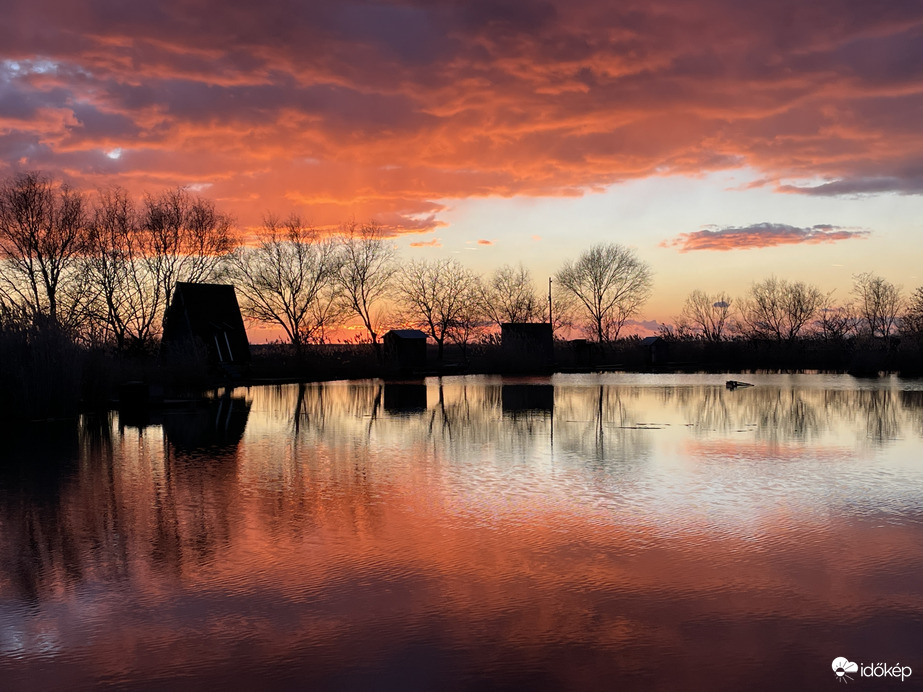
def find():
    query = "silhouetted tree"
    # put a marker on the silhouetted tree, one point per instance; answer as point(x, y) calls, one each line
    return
point(912, 322)
point(129, 301)
point(289, 280)
point(779, 309)
point(879, 303)
point(186, 239)
point(366, 271)
point(42, 232)
point(705, 314)
point(835, 322)
point(438, 297)
point(508, 295)
point(610, 284)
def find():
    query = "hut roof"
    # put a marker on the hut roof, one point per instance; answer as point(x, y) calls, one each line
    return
point(212, 304)
point(406, 334)
point(203, 310)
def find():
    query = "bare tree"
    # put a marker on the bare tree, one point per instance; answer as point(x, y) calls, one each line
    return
point(706, 315)
point(779, 309)
point(42, 232)
point(509, 295)
point(879, 303)
point(129, 300)
point(835, 322)
point(289, 280)
point(437, 297)
point(610, 285)
point(366, 272)
point(470, 321)
point(186, 239)
point(912, 322)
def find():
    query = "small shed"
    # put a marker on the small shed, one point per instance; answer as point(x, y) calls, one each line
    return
point(405, 349)
point(527, 345)
point(583, 356)
point(656, 349)
point(206, 316)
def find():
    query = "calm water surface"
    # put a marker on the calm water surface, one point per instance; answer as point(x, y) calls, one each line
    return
point(578, 533)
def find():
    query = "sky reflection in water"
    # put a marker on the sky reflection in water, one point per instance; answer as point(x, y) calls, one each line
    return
point(578, 532)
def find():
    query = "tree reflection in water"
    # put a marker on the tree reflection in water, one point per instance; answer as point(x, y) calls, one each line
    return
point(310, 512)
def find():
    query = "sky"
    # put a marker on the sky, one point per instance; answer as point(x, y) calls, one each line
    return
point(723, 141)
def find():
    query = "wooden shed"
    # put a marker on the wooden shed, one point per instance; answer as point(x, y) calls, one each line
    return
point(206, 316)
point(656, 349)
point(527, 345)
point(405, 349)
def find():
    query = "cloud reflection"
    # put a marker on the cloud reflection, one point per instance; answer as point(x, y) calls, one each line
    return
point(492, 527)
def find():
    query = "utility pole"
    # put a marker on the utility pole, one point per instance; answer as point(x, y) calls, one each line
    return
point(550, 320)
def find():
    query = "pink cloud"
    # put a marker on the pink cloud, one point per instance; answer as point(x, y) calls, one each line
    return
point(485, 242)
point(427, 243)
point(760, 235)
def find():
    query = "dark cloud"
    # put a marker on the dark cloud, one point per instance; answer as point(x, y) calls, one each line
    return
point(906, 180)
point(858, 186)
point(95, 123)
point(760, 235)
point(413, 101)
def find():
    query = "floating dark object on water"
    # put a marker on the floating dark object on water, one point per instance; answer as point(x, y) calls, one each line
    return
point(734, 384)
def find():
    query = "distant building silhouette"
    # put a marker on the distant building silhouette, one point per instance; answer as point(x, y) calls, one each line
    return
point(206, 317)
point(582, 352)
point(405, 349)
point(656, 349)
point(527, 345)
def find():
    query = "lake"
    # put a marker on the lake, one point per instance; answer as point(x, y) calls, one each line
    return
point(577, 532)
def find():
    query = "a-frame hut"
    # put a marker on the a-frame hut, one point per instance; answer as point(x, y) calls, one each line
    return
point(207, 316)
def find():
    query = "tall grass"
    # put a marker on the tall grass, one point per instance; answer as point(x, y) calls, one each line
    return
point(41, 371)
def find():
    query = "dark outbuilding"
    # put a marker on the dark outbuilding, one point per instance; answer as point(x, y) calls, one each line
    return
point(527, 345)
point(405, 349)
point(206, 317)
point(656, 348)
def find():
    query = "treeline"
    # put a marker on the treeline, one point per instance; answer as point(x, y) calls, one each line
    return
point(85, 275)
point(101, 270)
point(779, 310)
point(781, 324)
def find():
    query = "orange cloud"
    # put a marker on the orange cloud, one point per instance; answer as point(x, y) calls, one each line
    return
point(337, 113)
point(428, 243)
point(485, 242)
point(760, 235)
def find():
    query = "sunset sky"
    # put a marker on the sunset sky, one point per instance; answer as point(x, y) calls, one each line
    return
point(724, 141)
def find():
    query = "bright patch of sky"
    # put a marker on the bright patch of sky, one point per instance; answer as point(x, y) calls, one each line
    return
point(643, 214)
point(24, 67)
